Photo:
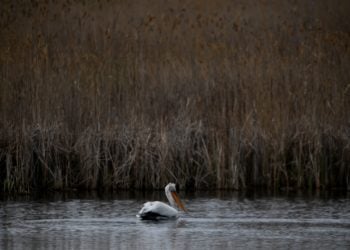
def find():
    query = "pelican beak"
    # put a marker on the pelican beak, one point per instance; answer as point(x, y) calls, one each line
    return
point(178, 201)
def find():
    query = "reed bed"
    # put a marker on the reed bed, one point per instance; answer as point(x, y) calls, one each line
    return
point(209, 94)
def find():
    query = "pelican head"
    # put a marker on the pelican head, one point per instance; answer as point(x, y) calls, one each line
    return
point(171, 194)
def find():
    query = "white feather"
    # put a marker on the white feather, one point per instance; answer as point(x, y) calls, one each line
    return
point(158, 207)
point(159, 210)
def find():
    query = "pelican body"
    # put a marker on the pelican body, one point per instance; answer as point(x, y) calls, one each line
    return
point(156, 210)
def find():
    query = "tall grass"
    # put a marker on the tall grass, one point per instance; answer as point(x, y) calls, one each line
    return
point(210, 94)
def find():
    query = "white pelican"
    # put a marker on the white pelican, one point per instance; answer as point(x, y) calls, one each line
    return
point(156, 210)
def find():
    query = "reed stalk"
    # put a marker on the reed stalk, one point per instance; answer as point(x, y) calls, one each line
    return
point(210, 94)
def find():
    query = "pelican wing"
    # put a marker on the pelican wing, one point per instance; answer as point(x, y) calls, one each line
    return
point(157, 210)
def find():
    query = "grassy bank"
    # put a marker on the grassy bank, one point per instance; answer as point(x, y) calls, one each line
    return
point(210, 94)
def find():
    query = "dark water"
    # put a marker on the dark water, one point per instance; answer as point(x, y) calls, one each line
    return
point(216, 221)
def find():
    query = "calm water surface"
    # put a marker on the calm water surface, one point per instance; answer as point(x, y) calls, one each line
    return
point(224, 220)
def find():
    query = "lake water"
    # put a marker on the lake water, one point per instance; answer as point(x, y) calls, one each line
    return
point(219, 220)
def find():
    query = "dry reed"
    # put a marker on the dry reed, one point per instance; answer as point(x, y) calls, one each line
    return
point(210, 94)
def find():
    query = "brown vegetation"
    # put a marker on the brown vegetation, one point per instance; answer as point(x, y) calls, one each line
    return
point(211, 94)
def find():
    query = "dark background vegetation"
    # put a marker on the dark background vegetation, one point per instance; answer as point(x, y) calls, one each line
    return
point(210, 94)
